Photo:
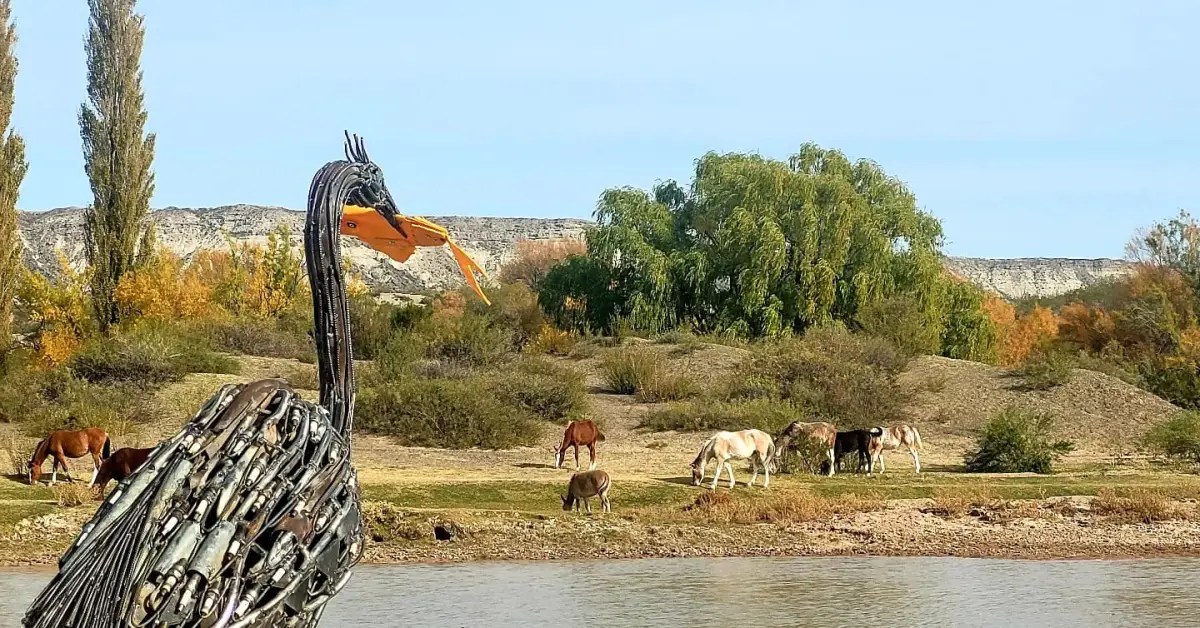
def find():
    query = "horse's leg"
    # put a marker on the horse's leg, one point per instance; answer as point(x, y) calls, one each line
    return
point(592, 453)
point(587, 503)
point(729, 468)
point(766, 474)
point(95, 467)
point(832, 461)
point(916, 459)
point(753, 471)
point(879, 459)
point(717, 474)
point(576, 456)
point(604, 503)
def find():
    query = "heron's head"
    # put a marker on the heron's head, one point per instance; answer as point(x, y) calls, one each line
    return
point(372, 216)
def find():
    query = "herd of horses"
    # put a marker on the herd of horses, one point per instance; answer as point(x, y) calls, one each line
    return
point(763, 452)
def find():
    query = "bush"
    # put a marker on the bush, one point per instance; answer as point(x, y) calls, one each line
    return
point(901, 321)
point(1175, 379)
point(544, 389)
point(666, 385)
point(1045, 370)
point(468, 339)
point(842, 378)
point(1016, 440)
point(628, 370)
point(259, 337)
point(1178, 437)
point(551, 341)
point(1111, 367)
point(706, 415)
point(147, 355)
point(457, 414)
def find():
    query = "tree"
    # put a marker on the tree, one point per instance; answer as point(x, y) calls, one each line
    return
point(12, 172)
point(754, 247)
point(117, 157)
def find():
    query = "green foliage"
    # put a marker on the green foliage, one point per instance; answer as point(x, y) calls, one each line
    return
point(12, 171)
point(836, 376)
point(768, 415)
point(452, 413)
point(467, 340)
point(1105, 293)
point(116, 156)
point(43, 400)
point(901, 320)
point(758, 248)
point(1046, 369)
point(628, 370)
point(1176, 379)
point(147, 355)
point(1017, 440)
point(1173, 244)
point(544, 389)
point(1177, 437)
point(969, 333)
point(258, 336)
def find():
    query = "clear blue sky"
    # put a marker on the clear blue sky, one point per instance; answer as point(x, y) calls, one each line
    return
point(1029, 128)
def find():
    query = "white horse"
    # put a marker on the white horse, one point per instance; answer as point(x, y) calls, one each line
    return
point(894, 438)
point(755, 445)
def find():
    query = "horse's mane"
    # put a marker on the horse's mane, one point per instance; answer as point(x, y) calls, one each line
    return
point(704, 449)
point(42, 449)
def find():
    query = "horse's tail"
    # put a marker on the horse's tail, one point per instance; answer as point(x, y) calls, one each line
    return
point(599, 436)
point(917, 439)
point(107, 451)
point(770, 451)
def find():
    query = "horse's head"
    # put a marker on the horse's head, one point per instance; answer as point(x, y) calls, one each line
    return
point(33, 470)
point(697, 474)
point(566, 500)
point(559, 453)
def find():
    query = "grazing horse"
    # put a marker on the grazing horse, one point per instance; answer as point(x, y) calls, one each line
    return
point(120, 465)
point(755, 445)
point(63, 444)
point(895, 437)
point(578, 434)
point(822, 433)
point(583, 486)
point(857, 441)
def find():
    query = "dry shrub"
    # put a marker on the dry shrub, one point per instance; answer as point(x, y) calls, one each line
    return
point(781, 508)
point(535, 258)
point(1138, 506)
point(952, 503)
point(71, 494)
point(551, 341)
point(14, 454)
point(627, 371)
point(385, 523)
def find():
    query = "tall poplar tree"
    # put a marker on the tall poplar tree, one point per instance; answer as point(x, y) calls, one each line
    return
point(117, 154)
point(12, 172)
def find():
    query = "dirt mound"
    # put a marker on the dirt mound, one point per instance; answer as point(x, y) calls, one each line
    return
point(1098, 412)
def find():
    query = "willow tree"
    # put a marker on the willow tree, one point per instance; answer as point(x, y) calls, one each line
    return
point(117, 154)
point(12, 172)
point(757, 247)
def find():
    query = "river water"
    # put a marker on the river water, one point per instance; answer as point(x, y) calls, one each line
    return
point(876, 592)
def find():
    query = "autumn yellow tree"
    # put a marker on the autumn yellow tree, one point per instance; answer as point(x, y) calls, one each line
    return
point(60, 309)
point(1019, 334)
point(163, 288)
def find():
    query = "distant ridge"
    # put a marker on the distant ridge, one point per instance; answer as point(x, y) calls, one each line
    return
point(491, 241)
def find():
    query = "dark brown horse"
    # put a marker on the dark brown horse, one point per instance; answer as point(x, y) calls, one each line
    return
point(63, 444)
point(578, 434)
point(120, 465)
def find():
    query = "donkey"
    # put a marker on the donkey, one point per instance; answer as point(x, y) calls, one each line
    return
point(585, 485)
point(577, 434)
point(120, 465)
point(894, 438)
point(823, 433)
point(63, 444)
point(755, 445)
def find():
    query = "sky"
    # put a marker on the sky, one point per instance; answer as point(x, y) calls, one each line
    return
point(1030, 129)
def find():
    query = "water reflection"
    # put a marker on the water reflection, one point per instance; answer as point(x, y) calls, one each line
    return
point(763, 591)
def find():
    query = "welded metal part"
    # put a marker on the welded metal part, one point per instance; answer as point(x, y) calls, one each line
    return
point(250, 515)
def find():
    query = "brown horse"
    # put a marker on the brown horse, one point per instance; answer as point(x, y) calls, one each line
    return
point(120, 465)
point(578, 434)
point(63, 444)
point(823, 434)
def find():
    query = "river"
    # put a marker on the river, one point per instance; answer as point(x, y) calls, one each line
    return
point(749, 591)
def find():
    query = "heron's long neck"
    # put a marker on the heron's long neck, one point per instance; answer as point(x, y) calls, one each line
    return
point(331, 319)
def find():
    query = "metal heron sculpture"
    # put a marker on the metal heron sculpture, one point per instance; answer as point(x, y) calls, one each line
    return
point(249, 516)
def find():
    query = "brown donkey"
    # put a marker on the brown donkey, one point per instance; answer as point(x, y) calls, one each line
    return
point(578, 434)
point(120, 465)
point(63, 444)
point(583, 487)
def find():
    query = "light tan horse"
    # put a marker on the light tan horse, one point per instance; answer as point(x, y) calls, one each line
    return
point(63, 444)
point(895, 437)
point(825, 434)
point(754, 445)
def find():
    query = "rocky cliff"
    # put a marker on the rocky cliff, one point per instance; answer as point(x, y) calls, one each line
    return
point(491, 241)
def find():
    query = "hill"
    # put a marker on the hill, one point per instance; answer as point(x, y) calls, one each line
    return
point(492, 241)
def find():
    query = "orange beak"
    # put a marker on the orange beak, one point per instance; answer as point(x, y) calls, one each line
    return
point(375, 231)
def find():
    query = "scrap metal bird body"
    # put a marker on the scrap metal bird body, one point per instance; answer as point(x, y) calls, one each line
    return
point(249, 516)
